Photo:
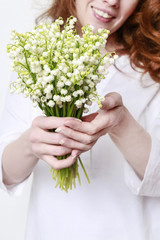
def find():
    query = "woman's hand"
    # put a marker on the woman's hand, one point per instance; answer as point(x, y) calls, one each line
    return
point(81, 136)
point(45, 144)
point(113, 118)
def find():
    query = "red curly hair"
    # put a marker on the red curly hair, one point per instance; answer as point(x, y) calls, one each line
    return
point(139, 35)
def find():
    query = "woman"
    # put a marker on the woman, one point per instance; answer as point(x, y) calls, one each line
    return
point(122, 201)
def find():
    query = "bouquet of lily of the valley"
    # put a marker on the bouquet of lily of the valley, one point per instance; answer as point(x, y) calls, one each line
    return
point(59, 70)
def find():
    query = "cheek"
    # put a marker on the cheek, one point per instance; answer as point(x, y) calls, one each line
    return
point(128, 9)
point(79, 10)
point(83, 10)
point(125, 13)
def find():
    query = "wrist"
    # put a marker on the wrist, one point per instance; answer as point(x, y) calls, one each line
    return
point(27, 146)
point(18, 160)
point(123, 123)
point(133, 141)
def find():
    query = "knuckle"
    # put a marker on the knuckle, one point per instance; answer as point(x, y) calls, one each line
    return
point(93, 131)
point(116, 98)
point(56, 165)
point(67, 143)
point(87, 147)
point(112, 101)
point(32, 137)
point(61, 150)
point(119, 99)
point(110, 121)
point(55, 137)
point(35, 121)
point(104, 132)
point(69, 132)
point(35, 148)
point(45, 123)
point(89, 139)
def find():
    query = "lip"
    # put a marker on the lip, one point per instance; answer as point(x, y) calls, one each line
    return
point(104, 10)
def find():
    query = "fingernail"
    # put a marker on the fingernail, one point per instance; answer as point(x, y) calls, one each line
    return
point(67, 124)
point(58, 130)
point(74, 157)
point(61, 142)
point(78, 119)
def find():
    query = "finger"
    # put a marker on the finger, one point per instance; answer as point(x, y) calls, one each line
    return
point(46, 149)
point(76, 152)
point(75, 135)
point(50, 122)
point(43, 136)
point(83, 127)
point(89, 128)
point(59, 164)
point(76, 145)
point(102, 121)
point(70, 143)
point(112, 100)
point(106, 120)
point(80, 137)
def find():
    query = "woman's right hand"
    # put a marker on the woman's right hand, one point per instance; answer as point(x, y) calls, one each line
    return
point(45, 144)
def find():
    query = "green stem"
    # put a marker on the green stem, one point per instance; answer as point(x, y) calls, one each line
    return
point(71, 110)
point(100, 62)
point(32, 74)
point(57, 111)
point(79, 114)
point(84, 169)
point(48, 109)
point(64, 109)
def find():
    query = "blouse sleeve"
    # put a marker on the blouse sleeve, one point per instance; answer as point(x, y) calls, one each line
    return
point(150, 185)
point(15, 119)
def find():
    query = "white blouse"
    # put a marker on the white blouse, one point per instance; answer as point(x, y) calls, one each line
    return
point(117, 205)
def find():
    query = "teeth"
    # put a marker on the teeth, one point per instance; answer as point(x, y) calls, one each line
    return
point(102, 14)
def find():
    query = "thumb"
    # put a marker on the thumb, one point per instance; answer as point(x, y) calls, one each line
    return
point(112, 100)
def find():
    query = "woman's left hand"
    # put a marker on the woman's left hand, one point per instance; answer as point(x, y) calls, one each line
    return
point(113, 118)
point(82, 135)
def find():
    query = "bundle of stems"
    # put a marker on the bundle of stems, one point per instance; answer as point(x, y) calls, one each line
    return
point(66, 178)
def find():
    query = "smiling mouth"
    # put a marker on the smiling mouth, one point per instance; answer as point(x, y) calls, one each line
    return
point(101, 13)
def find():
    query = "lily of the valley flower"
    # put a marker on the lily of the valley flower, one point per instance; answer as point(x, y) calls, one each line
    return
point(59, 71)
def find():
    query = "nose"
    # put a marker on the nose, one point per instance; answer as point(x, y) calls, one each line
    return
point(112, 3)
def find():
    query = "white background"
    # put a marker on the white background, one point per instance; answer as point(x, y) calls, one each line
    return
point(18, 15)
